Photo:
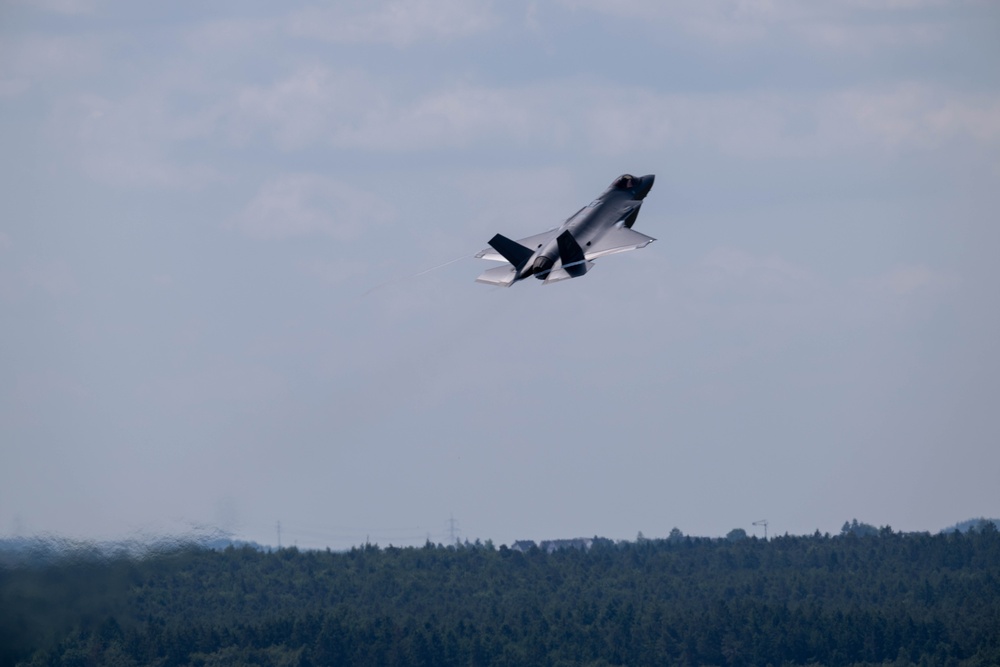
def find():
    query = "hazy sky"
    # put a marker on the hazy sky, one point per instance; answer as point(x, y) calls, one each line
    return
point(197, 197)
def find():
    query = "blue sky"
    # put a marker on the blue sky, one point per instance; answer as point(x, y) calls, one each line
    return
point(198, 201)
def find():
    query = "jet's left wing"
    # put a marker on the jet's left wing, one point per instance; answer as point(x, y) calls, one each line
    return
point(618, 239)
point(532, 242)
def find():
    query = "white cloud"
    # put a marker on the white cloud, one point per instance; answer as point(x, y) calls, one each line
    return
point(917, 116)
point(351, 111)
point(314, 103)
point(32, 389)
point(397, 22)
point(400, 23)
point(136, 140)
point(908, 280)
point(55, 277)
point(66, 7)
point(903, 4)
point(230, 35)
point(734, 268)
point(130, 142)
point(215, 384)
point(841, 36)
point(308, 204)
point(333, 272)
point(796, 124)
point(41, 57)
point(848, 25)
point(461, 117)
point(12, 87)
point(9, 276)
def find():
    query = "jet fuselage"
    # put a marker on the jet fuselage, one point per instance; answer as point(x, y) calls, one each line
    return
point(592, 221)
point(601, 228)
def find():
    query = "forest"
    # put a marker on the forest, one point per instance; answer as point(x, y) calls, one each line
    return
point(863, 597)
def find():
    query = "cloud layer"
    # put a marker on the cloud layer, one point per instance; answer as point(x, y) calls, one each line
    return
point(200, 202)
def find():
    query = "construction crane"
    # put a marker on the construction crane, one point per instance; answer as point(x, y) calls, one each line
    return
point(762, 522)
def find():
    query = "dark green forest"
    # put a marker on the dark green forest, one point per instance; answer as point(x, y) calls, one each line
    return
point(859, 598)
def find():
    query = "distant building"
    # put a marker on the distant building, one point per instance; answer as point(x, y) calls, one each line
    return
point(524, 545)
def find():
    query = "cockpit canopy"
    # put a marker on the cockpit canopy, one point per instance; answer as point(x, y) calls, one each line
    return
point(624, 182)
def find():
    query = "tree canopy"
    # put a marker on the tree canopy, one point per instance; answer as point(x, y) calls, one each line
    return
point(846, 600)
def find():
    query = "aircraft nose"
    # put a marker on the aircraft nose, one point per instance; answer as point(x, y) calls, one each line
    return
point(645, 185)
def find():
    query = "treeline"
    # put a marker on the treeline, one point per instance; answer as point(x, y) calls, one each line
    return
point(887, 598)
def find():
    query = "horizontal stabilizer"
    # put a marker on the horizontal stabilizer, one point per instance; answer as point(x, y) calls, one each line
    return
point(573, 271)
point(500, 275)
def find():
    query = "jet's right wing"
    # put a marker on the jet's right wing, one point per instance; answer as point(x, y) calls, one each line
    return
point(617, 239)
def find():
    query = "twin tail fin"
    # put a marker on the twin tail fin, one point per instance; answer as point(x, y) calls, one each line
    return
point(512, 251)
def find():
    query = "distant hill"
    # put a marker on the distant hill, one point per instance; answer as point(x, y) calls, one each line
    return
point(45, 550)
point(972, 524)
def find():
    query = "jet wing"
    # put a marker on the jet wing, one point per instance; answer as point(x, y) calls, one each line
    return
point(571, 271)
point(618, 239)
point(500, 275)
point(532, 242)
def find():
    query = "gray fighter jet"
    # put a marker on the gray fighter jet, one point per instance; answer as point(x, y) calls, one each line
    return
point(603, 227)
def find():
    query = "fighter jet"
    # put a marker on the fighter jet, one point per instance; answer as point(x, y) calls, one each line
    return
point(603, 227)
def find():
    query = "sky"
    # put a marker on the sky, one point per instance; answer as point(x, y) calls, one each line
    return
point(216, 217)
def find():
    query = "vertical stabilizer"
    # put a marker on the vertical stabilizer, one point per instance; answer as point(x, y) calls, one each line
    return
point(512, 251)
point(571, 255)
